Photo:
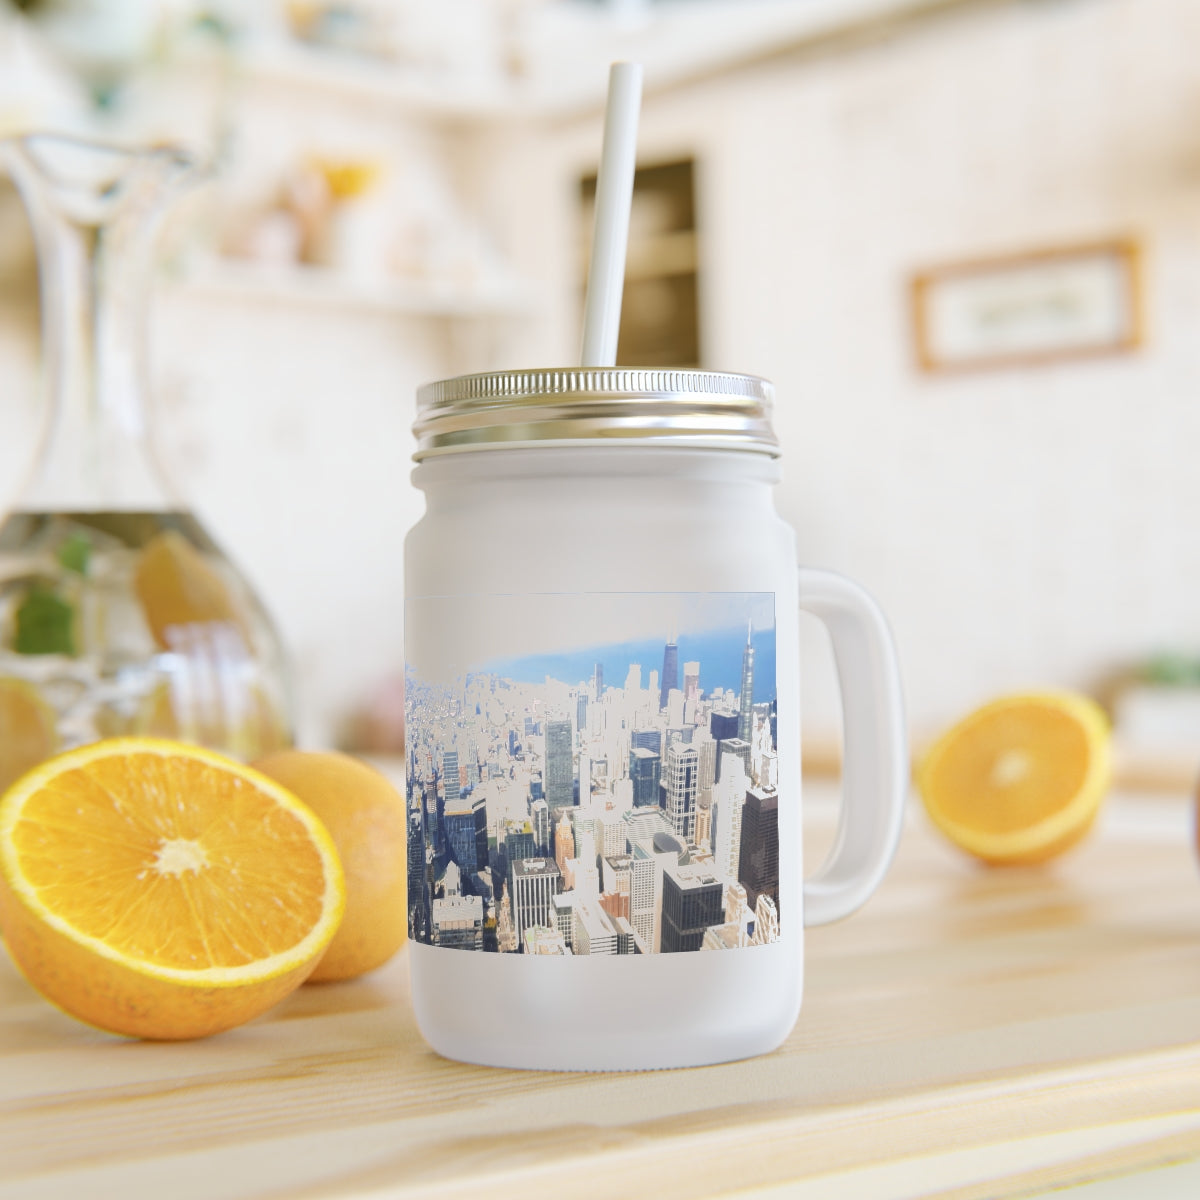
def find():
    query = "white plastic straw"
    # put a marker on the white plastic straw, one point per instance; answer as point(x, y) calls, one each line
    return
point(610, 234)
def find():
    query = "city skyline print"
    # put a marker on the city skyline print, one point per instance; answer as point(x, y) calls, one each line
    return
point(593, 773)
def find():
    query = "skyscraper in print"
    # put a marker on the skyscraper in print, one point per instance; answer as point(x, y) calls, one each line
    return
point(564, 841)
point(692, 902)
point(450, 781)
point(460, 815)
point(560, 782)
point(535, 881)
point(735, 746)
point(728, 798)
point(746, 710)
point(669, 681)
point(758, 862)
point(539, 812)
point(682, 780)
point(645, 773)
point(648, 739)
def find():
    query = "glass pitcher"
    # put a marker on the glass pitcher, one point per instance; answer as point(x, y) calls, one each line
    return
point(119, 615)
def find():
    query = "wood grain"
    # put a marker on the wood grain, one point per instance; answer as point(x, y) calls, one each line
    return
point(970, 1032)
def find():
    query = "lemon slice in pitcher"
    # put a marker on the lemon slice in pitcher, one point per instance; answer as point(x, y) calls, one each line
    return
point(28, 729)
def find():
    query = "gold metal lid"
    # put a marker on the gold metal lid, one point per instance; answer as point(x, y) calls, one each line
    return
point(498, 409)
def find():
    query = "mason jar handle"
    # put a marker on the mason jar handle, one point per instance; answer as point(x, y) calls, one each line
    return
point(875, 767)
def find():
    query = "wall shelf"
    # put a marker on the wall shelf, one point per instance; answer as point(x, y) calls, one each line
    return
point(318, 287)
point(559, 47)
point(362, 79)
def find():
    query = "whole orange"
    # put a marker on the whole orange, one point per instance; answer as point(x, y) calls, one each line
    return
point(366, 818)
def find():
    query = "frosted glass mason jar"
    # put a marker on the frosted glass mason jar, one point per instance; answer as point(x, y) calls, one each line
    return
point(603, 724)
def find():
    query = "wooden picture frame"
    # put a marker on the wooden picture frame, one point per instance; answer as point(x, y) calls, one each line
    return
point(1028, 309)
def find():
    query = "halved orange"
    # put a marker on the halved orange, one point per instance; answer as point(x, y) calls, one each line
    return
point(163, 891)
point(1020, 780)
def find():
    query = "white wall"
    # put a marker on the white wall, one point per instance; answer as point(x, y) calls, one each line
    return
point(1024, 527)
point(1019, 527)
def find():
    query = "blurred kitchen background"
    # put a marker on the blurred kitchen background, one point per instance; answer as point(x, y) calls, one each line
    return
point(961, 236)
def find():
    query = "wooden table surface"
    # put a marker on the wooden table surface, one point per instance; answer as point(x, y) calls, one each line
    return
point(968, 1033)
